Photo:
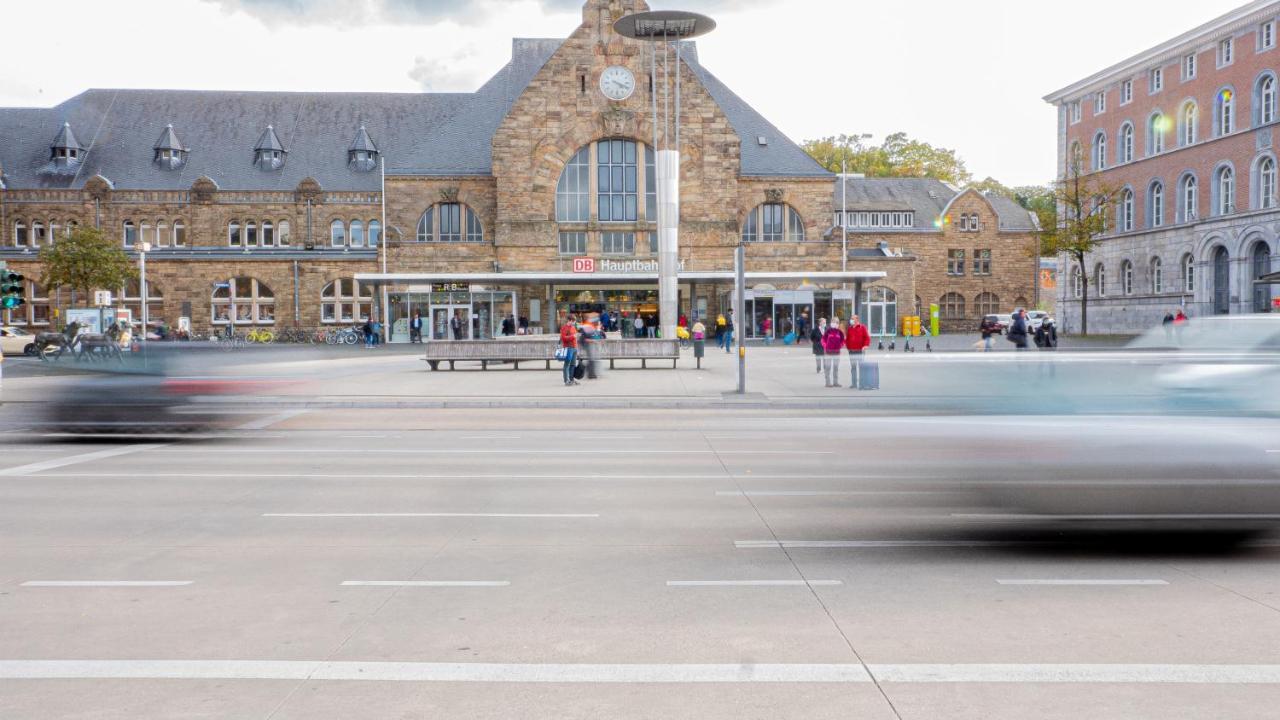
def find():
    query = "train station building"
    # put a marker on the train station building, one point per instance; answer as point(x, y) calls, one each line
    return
point(532, 197)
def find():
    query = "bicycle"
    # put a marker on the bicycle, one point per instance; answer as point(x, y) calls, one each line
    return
point(260, 335)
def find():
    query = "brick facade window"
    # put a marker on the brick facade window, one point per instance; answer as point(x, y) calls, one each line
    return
point(1188, 124)
point(1100, 151)
point(1226, 52)
point(1267, 35)
point(129, 233)
point(345, 300)
point(1155, 204)
point(1224, 190)
point(1125, 151)
point(1124, 214)
point(1188, 198)
point(131, 297)
point(1077, 282)
point(1189, 67)
point(573, 191)
point(1264, 99)
point(765, 223)
point(952, 305)
point(1075, 112)
point(987, 303)
point(1265, 182)
point(1156, 128)
point(1224, 112)
point(573, 243)
point(445, 223)
point(955, 262)
point(245, 300)
point(1156, 81)
point(616, 181)
point(1100, 103)
point(618, 243)
point(20, 236)
point(1126, 92)
point(982, 262)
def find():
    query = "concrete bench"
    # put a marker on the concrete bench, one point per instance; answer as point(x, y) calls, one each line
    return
point(543, 349)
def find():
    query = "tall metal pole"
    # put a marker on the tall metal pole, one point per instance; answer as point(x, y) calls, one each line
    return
point(739, 313)
point(142, 259)
point(667, 165)
point(382, 250)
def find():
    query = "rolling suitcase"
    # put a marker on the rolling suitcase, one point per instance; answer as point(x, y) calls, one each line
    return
point(868, 375)
point(579, 370)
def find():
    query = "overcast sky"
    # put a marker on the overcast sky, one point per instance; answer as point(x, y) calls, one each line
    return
point(965, 75)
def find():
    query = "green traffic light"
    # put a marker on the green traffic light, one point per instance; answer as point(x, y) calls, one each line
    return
point(11, 302)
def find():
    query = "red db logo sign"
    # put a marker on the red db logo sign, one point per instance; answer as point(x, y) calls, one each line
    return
point(584, 265)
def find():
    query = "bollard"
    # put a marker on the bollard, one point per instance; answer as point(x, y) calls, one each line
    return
point(699, 347)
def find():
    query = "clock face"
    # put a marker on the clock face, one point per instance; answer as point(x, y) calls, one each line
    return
point(617, 82)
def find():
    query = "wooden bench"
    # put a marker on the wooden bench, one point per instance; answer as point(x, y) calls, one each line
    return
point(543, 349)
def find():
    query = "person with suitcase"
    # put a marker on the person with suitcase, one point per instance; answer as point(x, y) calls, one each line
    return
point(568, 351)
point(856, 341)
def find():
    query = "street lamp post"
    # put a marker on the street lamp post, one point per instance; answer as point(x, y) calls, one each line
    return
point(666, 27)
point(142, 285)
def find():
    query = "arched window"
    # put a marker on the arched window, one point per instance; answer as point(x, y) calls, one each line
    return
point(1188, 198)
point(616, 181)
point(1077, 281)
point(445, 223)
point(1156, 128)
point(1100, 280)
point(268, 234)
point(952, 306)
point(1155, 204)
point(1224, 190)
point(1125, 151)
point(1265, 182)
point(1126, 211)
point(1224, 112)
point(773, 222)
point(144, 232)
point(337, 234)
point(1100, 151)
point(1157, 275)
point(1188, 273)
point(375, 233)
point(179, 233)
point(20, 237)
point(345, 300)
point(1260, 259)
point(250, 234)
point(1126, 278)
point(163, 236)
point(244, 300)
point(1189, 121)
point(987, 303)
point(357, 233)
point(573, 191)
point(1264, 100)
point(38, 237)
point(130, 232)
point(233, 234)
point(282, 233)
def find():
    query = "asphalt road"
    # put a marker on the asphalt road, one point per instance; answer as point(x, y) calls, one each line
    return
point(595, 564)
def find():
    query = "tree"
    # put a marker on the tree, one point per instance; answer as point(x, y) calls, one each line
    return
point(897, 156)
point(84, 261)
point(1086, 203)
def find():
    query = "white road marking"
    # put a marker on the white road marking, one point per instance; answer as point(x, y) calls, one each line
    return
point(753, 583)
point(106, 583)
point(77, 459)
point(249, 473)
point(1077, 581)
point(268, 421)
point(490, 437)
point(816, 493)
point(1118, 516)
point(754, 544)
point(317, 670)
point(432, 515)
point(426, 583)
point(508, 451)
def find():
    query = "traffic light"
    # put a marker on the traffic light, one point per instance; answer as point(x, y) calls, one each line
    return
point(11, 289)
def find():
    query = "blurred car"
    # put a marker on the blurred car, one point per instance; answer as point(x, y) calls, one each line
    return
point(1036, 318)
point(17, 341)
point(1002, 321)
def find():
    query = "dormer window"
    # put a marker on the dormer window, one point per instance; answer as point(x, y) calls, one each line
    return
point(269, 153)
point(66, 151)
point(362, 155)
point(169, 153)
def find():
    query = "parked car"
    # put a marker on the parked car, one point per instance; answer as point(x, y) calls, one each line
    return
point(1036, 318)
point(1002, 321)
point(17, 341)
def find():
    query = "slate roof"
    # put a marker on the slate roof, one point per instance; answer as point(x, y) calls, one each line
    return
point(418, 133)
point(926, 196)
point(362, 141)
point(66, 139)
point(269, 141)
point(168, 140)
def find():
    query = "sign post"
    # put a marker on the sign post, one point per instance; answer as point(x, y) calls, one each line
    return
point(740, 304)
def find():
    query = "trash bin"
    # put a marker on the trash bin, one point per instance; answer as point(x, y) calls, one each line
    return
point(699, 349)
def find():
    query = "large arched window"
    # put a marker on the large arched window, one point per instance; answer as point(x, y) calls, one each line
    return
point(987, 303)
point(450, 222)
point(1188, 198)
point(1260, 260)
point(1188, 273)
point(1157, 275)
point(1126, 277)
point(952, 305)
point(1188, 123)
point(1124, 153)
point(1264, 99)
point(130, 233)
point(337, 234)
point(345, 300)
point(1224, 112)
point(1100, 280)
point(357, 233)
point(1077, 282)
point(1264, 180)
point(573, 191)
point(1125, 211)
point(1224, 191)
point(773, 222)
point(1155, 204)
point(1100, 151)
point(1156, 128)
point(244, 300)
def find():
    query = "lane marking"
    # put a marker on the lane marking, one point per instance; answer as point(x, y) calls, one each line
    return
point(754, 583)
point(36, 467)
point(1119, 516)
point(779, 544)
point(818, 493)
point(266, 422)
point(249, 473)
point(490, 437)
point(509, 451)
point(426, 583)
point(639, 673)
point(432, 515)
point(1075, 581)
point(106, 583)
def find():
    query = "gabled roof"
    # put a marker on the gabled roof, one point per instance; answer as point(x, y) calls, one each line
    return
point(362, 141)
point(168, 140)
point(66, 139)
point(269, 141)
point(926, 197)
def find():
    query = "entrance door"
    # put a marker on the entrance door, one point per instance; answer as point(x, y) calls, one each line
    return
point(1221, 282)
point(881, 309)
point(441, 315)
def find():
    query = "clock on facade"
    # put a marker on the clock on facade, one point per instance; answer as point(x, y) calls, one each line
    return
point(617, 82)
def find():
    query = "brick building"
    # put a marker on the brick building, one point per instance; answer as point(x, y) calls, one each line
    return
point(1185, 133)
point(532, 197)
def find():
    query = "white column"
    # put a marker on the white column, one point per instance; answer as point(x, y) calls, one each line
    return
point(667, 165)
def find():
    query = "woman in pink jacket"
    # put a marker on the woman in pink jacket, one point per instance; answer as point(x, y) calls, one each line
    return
point(832, 342)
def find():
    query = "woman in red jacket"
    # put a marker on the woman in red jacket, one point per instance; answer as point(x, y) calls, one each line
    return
point(569, 341)
point(857, 340)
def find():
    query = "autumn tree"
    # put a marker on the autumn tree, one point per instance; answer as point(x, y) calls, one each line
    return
point(84, 261)
point(897, 156)
point(1084, 203)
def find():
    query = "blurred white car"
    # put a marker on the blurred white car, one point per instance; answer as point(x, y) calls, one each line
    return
point(16, 341)
point(1230, 361)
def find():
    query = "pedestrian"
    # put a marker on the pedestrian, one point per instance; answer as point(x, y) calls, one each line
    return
point(1046, 335)
point(1017, 333)
point(455, 325)
point(720, 330)
point(1167, 323)
point(989, 327)
point(638, 326)
point(1180, 321)
point(832, 342)
point(766, 329)
point(728, 332)
point(588, 344)
point(683, 321)
point(415, 328)
point(569, 348)
point(815, 338)
point(367, 329)
point(802, 325)
point(857, 340)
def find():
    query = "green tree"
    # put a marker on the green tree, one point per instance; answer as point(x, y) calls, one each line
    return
point(897, 156)
point(1086, 203)
point(85, 261)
